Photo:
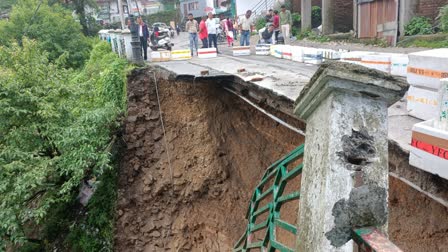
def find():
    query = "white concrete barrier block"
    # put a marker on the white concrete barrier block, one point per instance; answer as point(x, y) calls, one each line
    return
point(262, 50)
point(426, 68)
point(429, 149)
point(422, 103)
point(206, 53)
point(399, 65)
point(354, 57)
point(278, 51)
point(286, 52)
point(379, 62)
point(180, 55)
point(312, 56)
point(297, 53)
point(442, 121)
point(241, 50)
point(160, 56)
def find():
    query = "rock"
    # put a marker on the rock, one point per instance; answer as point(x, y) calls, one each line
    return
point(154, 116)
point(132, 119)
point(157, 134)
point(148, 227)
point(120, 212)
point(155, 234)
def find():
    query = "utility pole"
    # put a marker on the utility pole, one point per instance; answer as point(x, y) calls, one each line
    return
point(120, 11)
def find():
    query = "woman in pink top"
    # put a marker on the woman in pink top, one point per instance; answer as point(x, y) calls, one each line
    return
point(203, 33)
point(229, 31)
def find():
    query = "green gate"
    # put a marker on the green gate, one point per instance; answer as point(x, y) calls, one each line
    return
point(280, 172)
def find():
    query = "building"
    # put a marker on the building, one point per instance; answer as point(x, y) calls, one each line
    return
point(384, 19)
point(201, 7)
point(108, 9)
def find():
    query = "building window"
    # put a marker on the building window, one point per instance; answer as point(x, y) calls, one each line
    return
point(193, 6)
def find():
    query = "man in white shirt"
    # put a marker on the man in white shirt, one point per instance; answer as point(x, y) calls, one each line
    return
point(212, 27)
point(246, 26)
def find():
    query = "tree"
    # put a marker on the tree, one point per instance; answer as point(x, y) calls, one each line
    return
point(52, 26)
point(80, 7)
point(55, 131)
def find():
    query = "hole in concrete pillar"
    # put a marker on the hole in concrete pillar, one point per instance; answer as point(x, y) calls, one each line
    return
point(370, 94)
point(358, 148)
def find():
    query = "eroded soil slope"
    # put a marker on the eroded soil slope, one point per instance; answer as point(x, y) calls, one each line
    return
point(218, 147)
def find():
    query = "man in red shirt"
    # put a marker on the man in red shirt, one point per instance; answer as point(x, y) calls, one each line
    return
point(276, 23)
point(203, 34)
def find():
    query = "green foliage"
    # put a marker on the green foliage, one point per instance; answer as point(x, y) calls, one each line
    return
point(53, 27)
point(6, 4)
point(56, 130)
point(95, 231)
point(296, 20)
point(442, 18)
point(163, 16)
point(316, 16)
point(427, 41)
point(260, 23)
point(418, 26)
point(313, 36)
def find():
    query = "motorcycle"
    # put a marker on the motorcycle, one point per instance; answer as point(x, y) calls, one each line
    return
point(171, 32)
point(221, 35)
point(161, 41)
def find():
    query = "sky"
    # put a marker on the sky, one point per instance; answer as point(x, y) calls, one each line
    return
point(243, 5)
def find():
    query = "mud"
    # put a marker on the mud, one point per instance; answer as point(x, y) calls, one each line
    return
point(218, 146)
point(416, 222)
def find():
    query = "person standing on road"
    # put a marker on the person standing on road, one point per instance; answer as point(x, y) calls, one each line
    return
point(235, 28)
point(192, 28)
point(143, 33)
point(269, 17)
point(212, 28)
point(228, 26)
point(285, 22)
point(276, 23)
point(203, 34)
point(246, 26)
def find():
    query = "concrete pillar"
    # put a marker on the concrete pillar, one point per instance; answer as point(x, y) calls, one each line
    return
point(306, 15)
point(406, 12)
point(327, 17)
point(345, 175)
point(355, 17)
point(127, 41)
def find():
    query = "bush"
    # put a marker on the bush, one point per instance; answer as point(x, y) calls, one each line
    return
point(442, 18)
point(296, 20)
point(316, 16)
point(56, 127)
point(260, 23)
point(418, 26)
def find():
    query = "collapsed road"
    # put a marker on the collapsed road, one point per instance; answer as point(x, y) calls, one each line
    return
point(185, 186)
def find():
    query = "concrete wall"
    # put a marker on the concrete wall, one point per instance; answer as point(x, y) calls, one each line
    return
point(343, 13)
point(430, 8)
point(411, 8)
point(343, 16)
point(296, 4)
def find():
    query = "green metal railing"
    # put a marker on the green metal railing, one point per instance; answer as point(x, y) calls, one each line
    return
point(281, 173)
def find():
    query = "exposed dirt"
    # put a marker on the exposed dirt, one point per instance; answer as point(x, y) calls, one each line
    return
point(416, 223)
point(218, 146)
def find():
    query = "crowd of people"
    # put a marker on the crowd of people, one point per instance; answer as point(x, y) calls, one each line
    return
point(208, 29)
